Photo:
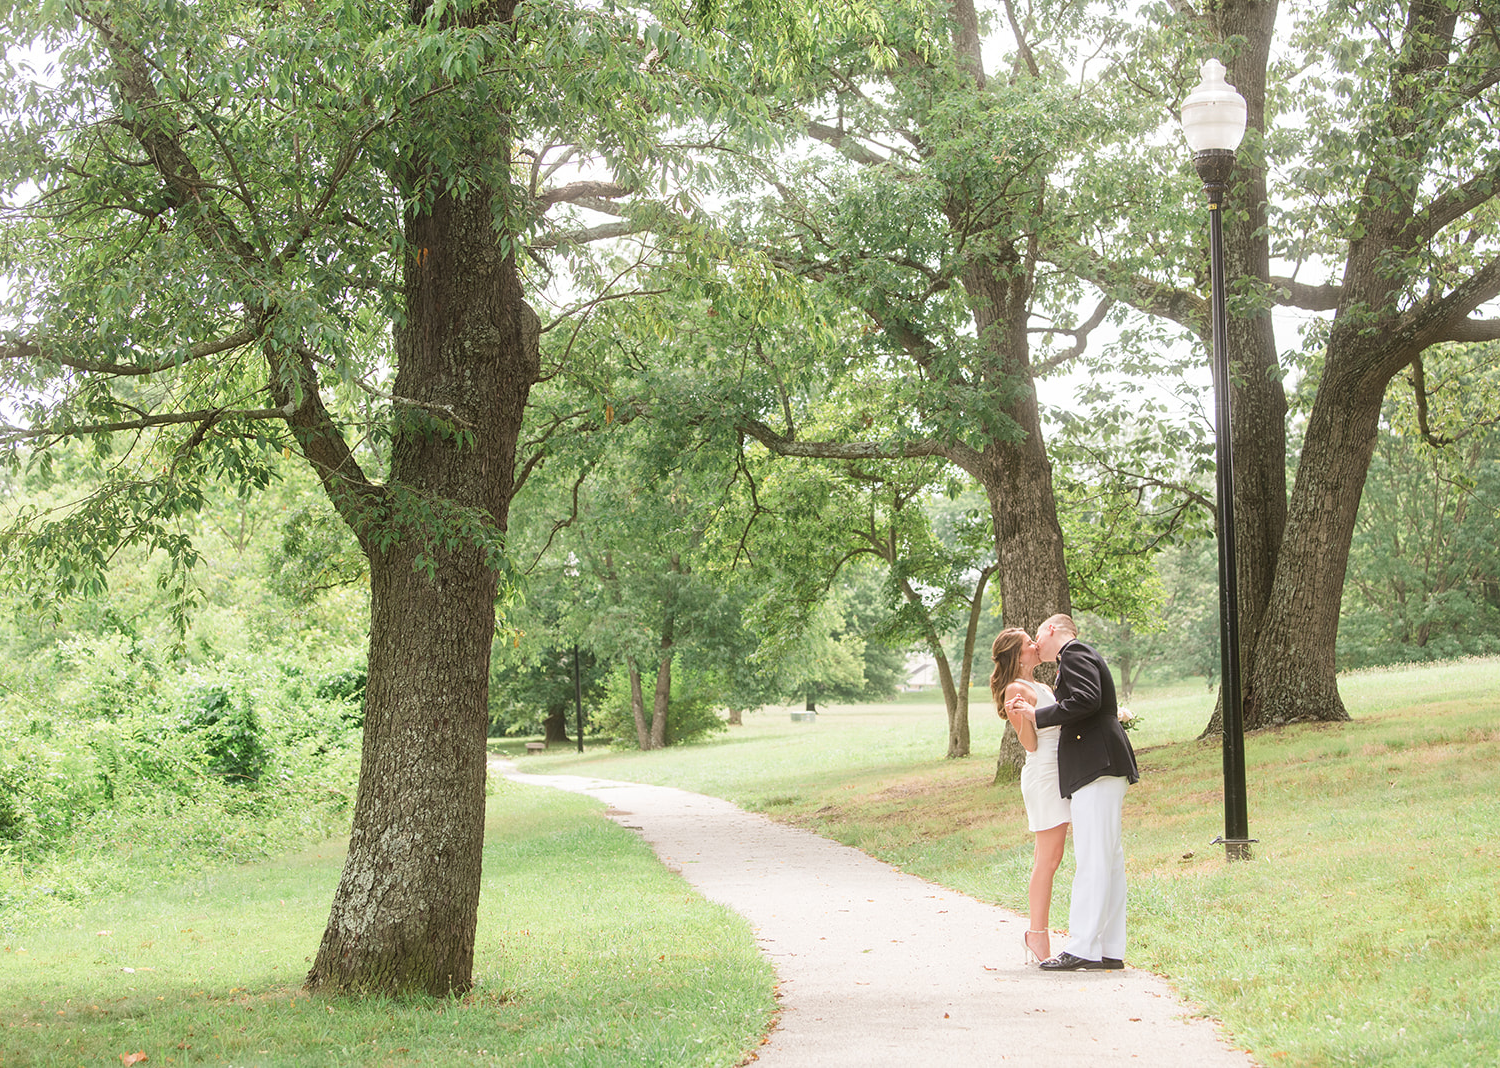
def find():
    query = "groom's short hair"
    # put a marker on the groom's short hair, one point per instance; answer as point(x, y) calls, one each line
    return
point(1062, 622)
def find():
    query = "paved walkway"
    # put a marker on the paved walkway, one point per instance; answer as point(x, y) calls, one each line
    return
point(878, 967)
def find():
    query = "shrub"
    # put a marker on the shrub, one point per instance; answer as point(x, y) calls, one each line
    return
point(231, 735)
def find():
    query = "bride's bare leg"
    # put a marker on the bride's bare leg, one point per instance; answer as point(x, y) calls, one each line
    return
point(1046, 856)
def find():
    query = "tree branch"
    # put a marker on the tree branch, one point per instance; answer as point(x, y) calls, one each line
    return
point(28, 349)
point(1419, 395)
point(837, 450)
point(843, 144)
point(151, 129)
point(604, 231)
point(145, 422)
point(587, 194)
point(1022, 45)
point(1079, 333)
point(1475, 330)
point(1450, 207)
point(1145, 294)
point(1293, 294)
point(561, 524)
point(1446, 318)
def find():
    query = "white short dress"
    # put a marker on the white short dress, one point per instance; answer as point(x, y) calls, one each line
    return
point(1045, 805)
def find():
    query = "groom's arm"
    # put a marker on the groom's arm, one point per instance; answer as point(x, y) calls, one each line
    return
point(1079, 691)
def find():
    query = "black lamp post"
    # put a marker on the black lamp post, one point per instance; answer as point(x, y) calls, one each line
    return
point(1213, 121)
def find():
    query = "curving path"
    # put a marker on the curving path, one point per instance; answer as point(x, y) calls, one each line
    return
point(879, 967)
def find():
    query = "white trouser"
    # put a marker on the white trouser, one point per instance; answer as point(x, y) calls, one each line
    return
point(1096, 918)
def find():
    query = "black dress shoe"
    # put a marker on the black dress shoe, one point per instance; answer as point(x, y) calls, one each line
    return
point(1066, 962)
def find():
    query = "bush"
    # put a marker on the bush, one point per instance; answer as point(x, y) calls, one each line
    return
point(231, 735)
point(156, 786)
point(347, 686)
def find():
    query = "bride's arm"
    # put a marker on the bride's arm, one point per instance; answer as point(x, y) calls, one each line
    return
point(1025, 728)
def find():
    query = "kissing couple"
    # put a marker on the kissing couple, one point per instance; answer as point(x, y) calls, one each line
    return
point(1078, 765)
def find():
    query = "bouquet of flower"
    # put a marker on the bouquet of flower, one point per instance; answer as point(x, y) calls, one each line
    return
point(1128, 719)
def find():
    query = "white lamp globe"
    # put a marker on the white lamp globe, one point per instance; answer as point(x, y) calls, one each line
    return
point(1213, 115)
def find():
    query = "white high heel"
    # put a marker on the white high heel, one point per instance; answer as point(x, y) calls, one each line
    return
point(1031, 954)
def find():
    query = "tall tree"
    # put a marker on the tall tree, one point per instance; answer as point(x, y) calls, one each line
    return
point(1401, 186)
point(1385, 172)
point(926, 248)
point(219, 212)
point(1144, 246)
point(815, 523)
point(922, 209)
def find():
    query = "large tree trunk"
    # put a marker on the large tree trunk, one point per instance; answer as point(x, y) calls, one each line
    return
point(1017, 479)
point(1373, 337)
point(1017, 475)
point(1294, 676)
point(404, 913)
point(403, 916)
point(555, 726)
point(1257, 396)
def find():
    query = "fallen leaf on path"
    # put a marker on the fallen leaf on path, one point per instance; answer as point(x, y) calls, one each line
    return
point(128, 1059)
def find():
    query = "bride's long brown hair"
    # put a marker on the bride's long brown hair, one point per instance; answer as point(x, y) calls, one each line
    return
point(1006, 652)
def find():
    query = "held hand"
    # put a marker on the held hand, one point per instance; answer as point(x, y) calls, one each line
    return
point(1020, 707)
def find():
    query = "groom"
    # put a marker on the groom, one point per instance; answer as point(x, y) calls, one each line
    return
point(1094, 765)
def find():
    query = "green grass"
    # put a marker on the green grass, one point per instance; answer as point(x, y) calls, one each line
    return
point(589, 953)
point(1365, 931)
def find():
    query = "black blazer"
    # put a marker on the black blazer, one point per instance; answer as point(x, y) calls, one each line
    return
point(1093, 744)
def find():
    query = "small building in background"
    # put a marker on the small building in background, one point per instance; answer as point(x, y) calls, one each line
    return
point(921, 673)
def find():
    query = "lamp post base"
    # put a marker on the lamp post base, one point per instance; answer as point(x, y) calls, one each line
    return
point(1236, 848)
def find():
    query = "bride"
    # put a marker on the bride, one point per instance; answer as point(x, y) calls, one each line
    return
point(1047, 811)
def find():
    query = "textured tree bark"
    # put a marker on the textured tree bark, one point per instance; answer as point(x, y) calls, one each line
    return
point(1016, 474)
point(663, 697)
point(1257, 397)
point(638, 704)
point(1028, 545)
point(1294, 678)
point(404, 914)
point(1373, 337)
point(555, 726)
